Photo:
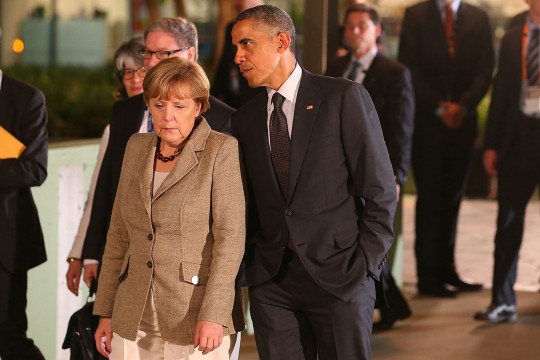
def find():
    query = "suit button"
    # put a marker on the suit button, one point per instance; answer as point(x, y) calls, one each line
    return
point(150, 237)
point(288, 212)
point(149, 264)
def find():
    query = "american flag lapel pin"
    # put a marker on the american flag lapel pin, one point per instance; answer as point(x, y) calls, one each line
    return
point(309, 107)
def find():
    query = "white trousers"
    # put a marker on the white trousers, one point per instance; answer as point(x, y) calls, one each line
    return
point(149, 345)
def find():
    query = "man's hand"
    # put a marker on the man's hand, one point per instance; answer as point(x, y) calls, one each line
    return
point(73, 275)
point(490, 162)
point(90, 273)
point(103, 336)
point(452, 115)
point(208, 336)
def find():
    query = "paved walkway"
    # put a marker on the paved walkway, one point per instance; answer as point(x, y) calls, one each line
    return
point(474, 248)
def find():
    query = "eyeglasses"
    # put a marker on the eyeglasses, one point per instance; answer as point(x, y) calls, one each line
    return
point(160, 55)
point(127, 74)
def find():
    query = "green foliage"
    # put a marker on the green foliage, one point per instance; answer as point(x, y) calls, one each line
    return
point(79, 100)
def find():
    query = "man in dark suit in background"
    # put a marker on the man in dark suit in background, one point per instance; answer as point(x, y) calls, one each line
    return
point(447, 46)
point(512, 154)
point(228, 84)
point(164, 38)
point(24, 115)
point(322, 198)
point(390, 87)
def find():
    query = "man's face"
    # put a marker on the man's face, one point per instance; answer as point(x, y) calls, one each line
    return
point(360, 32)
point(257, 53)
point(163, 41)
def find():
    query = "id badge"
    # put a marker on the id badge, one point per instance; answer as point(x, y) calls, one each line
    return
point(530, 103)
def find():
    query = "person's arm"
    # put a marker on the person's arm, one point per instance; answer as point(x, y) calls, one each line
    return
point(371, 174)
point(398, 122)
point(228, 229)
point(73, 274)
point(30, 169)
point(500, 103)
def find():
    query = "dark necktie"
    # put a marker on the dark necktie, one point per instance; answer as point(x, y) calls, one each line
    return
point(280, 143)
point(532, 57)
point(356, 66)
point(449, 29)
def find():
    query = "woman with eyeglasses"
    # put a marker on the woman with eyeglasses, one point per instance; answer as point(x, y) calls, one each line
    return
point(130, 69)
point(130, 73)
point(177, 230)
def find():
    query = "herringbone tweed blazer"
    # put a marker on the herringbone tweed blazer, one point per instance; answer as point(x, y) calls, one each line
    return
point(186, 242)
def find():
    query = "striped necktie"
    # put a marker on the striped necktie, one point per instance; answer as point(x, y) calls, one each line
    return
point(533, 57)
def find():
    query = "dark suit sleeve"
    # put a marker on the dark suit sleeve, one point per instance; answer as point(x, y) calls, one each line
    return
point(30, 169)
point(371, 174)
point(219, 115)
point(500, 98)
point(96, 235)
point(398, 122)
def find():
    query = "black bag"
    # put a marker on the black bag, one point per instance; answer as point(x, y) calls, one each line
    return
point(80, 332)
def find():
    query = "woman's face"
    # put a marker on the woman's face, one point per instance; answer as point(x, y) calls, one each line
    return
point(132, 78)
point(173, 118)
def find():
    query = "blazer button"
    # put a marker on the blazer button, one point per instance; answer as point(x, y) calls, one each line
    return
point(195, 280)
point(288, 212)
point(149, 264)
point(150, 237)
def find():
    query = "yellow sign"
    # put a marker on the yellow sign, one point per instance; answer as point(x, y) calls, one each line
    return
point(10, 146)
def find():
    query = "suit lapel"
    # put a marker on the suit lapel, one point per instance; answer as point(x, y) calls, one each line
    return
point(462, 25)
point(258, 135)
point(370, 79)
point(305, 114)
point(147, 176)
point(187, 160)
point(435, 26)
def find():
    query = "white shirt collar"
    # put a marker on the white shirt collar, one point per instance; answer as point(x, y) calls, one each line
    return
point(289, 89)
point(366, 59)
point(454, 5)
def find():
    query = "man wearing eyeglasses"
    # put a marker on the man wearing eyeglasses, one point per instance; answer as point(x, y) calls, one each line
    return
point(167, 37)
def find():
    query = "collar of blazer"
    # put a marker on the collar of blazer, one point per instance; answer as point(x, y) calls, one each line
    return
point(187, 160)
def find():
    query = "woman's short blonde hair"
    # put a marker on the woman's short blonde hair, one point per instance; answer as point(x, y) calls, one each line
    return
point(177, 78)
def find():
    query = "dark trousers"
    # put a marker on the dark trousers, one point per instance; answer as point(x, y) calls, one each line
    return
point(14, 344)
point(294, 318)
point(440, 162)
point(518, 175)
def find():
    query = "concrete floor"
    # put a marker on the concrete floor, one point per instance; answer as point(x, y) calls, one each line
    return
point(442, 329)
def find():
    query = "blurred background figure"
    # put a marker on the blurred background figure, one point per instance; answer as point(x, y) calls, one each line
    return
point(390, 87)
point(448, 47)
point(512, 154)
point(130, 73)
point(229, 85)
point(23, 115)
